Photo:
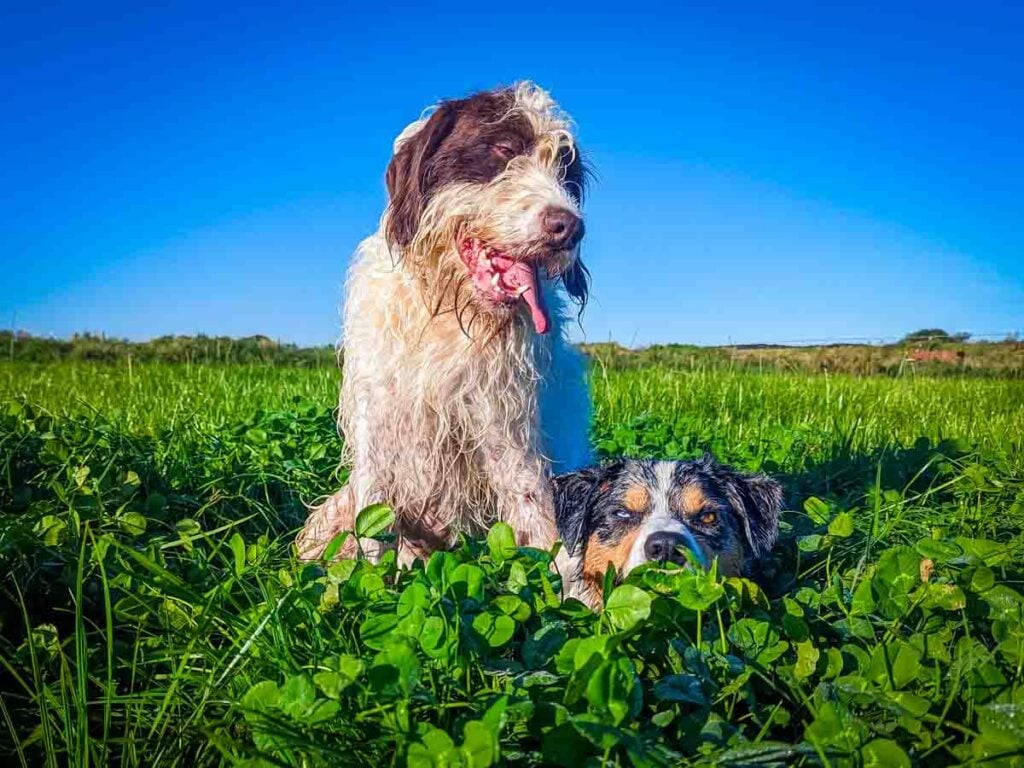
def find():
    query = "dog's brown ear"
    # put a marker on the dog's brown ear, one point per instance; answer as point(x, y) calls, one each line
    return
point(577, 172)
point(577, 175)
point(758, 504)
point(407, 177)
point(577, 283)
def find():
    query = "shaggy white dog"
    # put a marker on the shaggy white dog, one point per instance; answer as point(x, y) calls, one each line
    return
point(460, 393)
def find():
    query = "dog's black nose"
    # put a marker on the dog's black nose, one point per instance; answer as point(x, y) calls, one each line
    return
point(562, 228)
point(665, 547)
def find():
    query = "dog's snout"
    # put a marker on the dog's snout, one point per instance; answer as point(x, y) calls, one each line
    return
point(562, 228)
point(665, 547)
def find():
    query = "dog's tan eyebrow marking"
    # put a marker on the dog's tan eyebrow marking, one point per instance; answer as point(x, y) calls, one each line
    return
point(636, 499)
point(692, 499)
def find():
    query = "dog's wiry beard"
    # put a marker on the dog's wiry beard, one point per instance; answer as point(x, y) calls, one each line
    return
point(495, 215)
point(433, 259)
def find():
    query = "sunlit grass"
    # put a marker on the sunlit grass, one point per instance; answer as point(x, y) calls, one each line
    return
point(152, 614)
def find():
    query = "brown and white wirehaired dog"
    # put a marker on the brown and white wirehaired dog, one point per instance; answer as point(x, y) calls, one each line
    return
point(460, 392)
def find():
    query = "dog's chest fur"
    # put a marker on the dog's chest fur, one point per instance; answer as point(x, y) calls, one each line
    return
point(437, 415)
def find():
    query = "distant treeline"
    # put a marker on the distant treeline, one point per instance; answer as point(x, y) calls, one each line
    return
point(931, 352)
point(935, 357)
point(202, 350)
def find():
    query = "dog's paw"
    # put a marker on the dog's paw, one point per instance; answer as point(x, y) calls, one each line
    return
point(330, 519)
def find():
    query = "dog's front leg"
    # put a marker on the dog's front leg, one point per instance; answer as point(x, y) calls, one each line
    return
point(525, 502)
point(336, 515)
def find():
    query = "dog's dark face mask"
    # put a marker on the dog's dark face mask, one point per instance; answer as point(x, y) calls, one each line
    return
point(634, 511)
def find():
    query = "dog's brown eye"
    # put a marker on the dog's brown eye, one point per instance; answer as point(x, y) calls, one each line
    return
point(708, 518)
point(504, 150)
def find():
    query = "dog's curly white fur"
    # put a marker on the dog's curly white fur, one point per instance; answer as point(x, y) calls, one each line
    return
point(460, 391)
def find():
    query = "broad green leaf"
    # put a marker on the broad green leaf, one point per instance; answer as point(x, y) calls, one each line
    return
point(496, 628)
point(374, 520)
point(434, 639)
point(542, 646)
point(698, 589)
point(132, 523)
point(436, 750)
point(817, 510)
point(986, 551)
point(613, 690)
point(884, 753)
point(480, 745)
point(938, 550)
point(512, 606)
point(415, 595)
point(377, 630)
point(806, 659)
point(262, 696)
point(982, 579)
point(517, 578)
point(564, 746)
point(297, 696)
point(683, 688)
point(467, 582)
point(627, 606)
point(334, 545)
point(949, 597)
point(1003, 723)
point(897, 574)
point(395, 670)
point(841, 526)
point(810, 543)
point(501, 543)
point(333, 682)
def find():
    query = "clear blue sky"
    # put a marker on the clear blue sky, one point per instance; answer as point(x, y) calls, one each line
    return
point(771, 173)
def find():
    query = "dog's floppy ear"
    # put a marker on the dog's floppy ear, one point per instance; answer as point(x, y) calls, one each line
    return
point(407, 176)
point(577, 282)
point(757, 501)
point(577, 174)
point(575, 494)
point(576, 171)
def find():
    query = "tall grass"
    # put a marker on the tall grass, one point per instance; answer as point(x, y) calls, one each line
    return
point(151, 613)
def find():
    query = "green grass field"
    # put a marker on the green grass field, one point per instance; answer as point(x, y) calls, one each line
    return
point(151, 613)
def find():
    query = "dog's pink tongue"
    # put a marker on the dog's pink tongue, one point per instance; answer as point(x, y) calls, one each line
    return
point(524, 275)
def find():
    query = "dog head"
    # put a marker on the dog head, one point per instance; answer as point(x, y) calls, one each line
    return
point(636, 510)
point(484, 205)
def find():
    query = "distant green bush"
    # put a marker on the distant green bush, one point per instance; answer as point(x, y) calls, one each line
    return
point(920, 353)
point(204, 350)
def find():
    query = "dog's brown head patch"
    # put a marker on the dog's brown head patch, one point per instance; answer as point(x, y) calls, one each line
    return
point(470, 140)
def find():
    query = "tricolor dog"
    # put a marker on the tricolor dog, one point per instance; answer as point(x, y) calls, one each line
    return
point(632, 511)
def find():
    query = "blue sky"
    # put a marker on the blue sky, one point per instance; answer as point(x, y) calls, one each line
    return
point(782, 173)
